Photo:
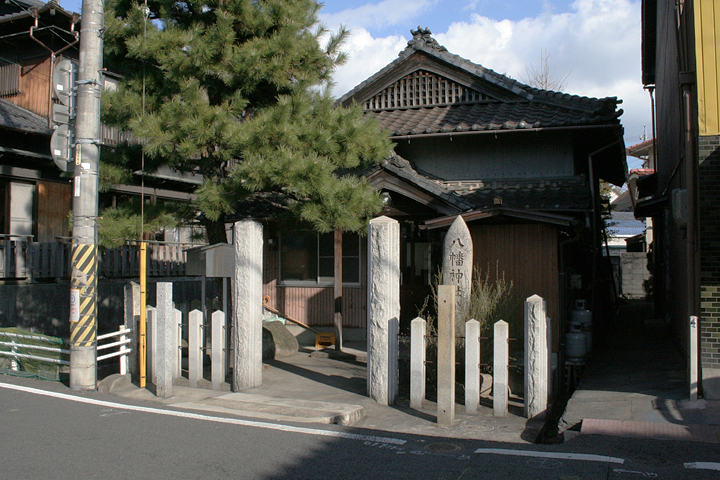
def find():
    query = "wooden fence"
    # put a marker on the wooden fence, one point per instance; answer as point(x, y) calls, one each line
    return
point(23, 259)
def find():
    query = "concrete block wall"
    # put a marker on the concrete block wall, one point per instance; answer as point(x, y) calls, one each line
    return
point(634, 272)
point(709, 232)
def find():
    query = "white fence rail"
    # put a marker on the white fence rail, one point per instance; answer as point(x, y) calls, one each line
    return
point(122, 347)
point(15, 344)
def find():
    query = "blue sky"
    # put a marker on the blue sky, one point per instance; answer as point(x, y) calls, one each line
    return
point(595, 42)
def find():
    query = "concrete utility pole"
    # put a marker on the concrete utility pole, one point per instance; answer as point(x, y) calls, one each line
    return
point(83, 282)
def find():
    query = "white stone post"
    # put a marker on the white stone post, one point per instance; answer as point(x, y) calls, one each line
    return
point(177, 342)
point(218, 345)
point(501, 359)
point(536, 358)
point(247, 328)
point(164, 363)
point(151, 334)
point(446, 356)
point(132, 317)
point(418, 352)
point(195, 354)
point(472, 366)
point(383, 309)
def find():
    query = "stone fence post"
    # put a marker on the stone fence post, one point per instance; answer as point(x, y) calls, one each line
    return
point(501, 359)
point(247, 321)
point(383, 309)
point(536, 357)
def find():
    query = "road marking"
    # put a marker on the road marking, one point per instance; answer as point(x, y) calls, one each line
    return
point(703, 465)
point(644, 474)
point(560, 456)
point(196, 416)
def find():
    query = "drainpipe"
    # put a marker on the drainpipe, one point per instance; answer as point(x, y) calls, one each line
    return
point(595, 212)
point(53, 54)
point(692, 241)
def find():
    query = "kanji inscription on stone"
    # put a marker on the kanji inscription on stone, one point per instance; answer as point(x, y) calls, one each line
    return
point(458, 264)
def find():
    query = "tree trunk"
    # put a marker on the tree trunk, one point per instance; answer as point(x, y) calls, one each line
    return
point(215, 230)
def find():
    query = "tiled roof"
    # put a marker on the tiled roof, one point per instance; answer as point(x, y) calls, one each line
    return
point(546, 194)
point(523, 106)
point(485, 116)
point(21, 8)
point(403, 169)
point(17, 118)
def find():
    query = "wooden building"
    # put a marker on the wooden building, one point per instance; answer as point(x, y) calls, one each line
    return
point(521, 165)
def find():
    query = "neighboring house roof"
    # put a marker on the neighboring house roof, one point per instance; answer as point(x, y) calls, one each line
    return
point(17, 118)
point(641, 149)
point(428, 90)
point(623, 202)
point(16, 9)
point(624, 224)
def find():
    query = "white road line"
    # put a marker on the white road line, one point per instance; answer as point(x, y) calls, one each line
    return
point(195, 416)
point(703, 465)
point(560, 456)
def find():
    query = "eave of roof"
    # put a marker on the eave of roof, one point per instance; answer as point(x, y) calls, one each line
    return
point(37, 7)
point(516, 213)
point(17, 118)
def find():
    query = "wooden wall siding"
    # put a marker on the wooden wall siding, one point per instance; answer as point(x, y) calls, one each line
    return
point(54, 203)
point(9, 79)
point(528, 254)
point(422, 88)
point(313, 306)
point(34, 86)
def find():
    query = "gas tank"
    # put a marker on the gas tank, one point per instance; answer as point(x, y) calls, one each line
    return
point(575, 345)
point(581, 315)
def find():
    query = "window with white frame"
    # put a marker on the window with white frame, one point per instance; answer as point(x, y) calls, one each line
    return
point(308, 258)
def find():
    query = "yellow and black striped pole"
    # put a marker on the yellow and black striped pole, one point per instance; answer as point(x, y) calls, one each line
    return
point(83, 317)
point(83, 283)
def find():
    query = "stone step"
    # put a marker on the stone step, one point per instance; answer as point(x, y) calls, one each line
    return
point(283, 409)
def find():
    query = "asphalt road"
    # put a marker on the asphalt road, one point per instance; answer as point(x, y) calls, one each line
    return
point(48, 432)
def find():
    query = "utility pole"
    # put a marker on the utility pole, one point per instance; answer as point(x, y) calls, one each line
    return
point(83, 281)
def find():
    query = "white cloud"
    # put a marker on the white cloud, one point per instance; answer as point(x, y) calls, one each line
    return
point(382, 14)
point(597, 42)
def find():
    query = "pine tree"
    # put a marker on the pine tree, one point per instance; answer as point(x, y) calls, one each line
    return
point(234, 90)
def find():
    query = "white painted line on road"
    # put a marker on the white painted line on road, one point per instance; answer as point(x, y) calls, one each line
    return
point(195, 416)
point(561, 456)
point(703, 465)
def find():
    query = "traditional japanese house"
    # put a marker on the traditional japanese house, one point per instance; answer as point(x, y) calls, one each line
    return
point(522, 165)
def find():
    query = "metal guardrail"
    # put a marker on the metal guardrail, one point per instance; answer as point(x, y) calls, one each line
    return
point(14, 346)
point(122, 343)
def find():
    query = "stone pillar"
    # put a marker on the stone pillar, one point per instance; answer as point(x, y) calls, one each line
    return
point(536, 358)
point(693, 364)
point(501, 359)
point(195, 353)
point(457, 267)
point(418, 330)
point(472, 366)
point(132, 317)
point(165, 350)
point(383, 309)
point(247, 305)
point(151, 333)
point(177, 341)
point(218, 345)
point(446, 355)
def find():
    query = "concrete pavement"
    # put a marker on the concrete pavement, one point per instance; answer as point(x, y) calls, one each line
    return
point(632, 385)
point(320, 386)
